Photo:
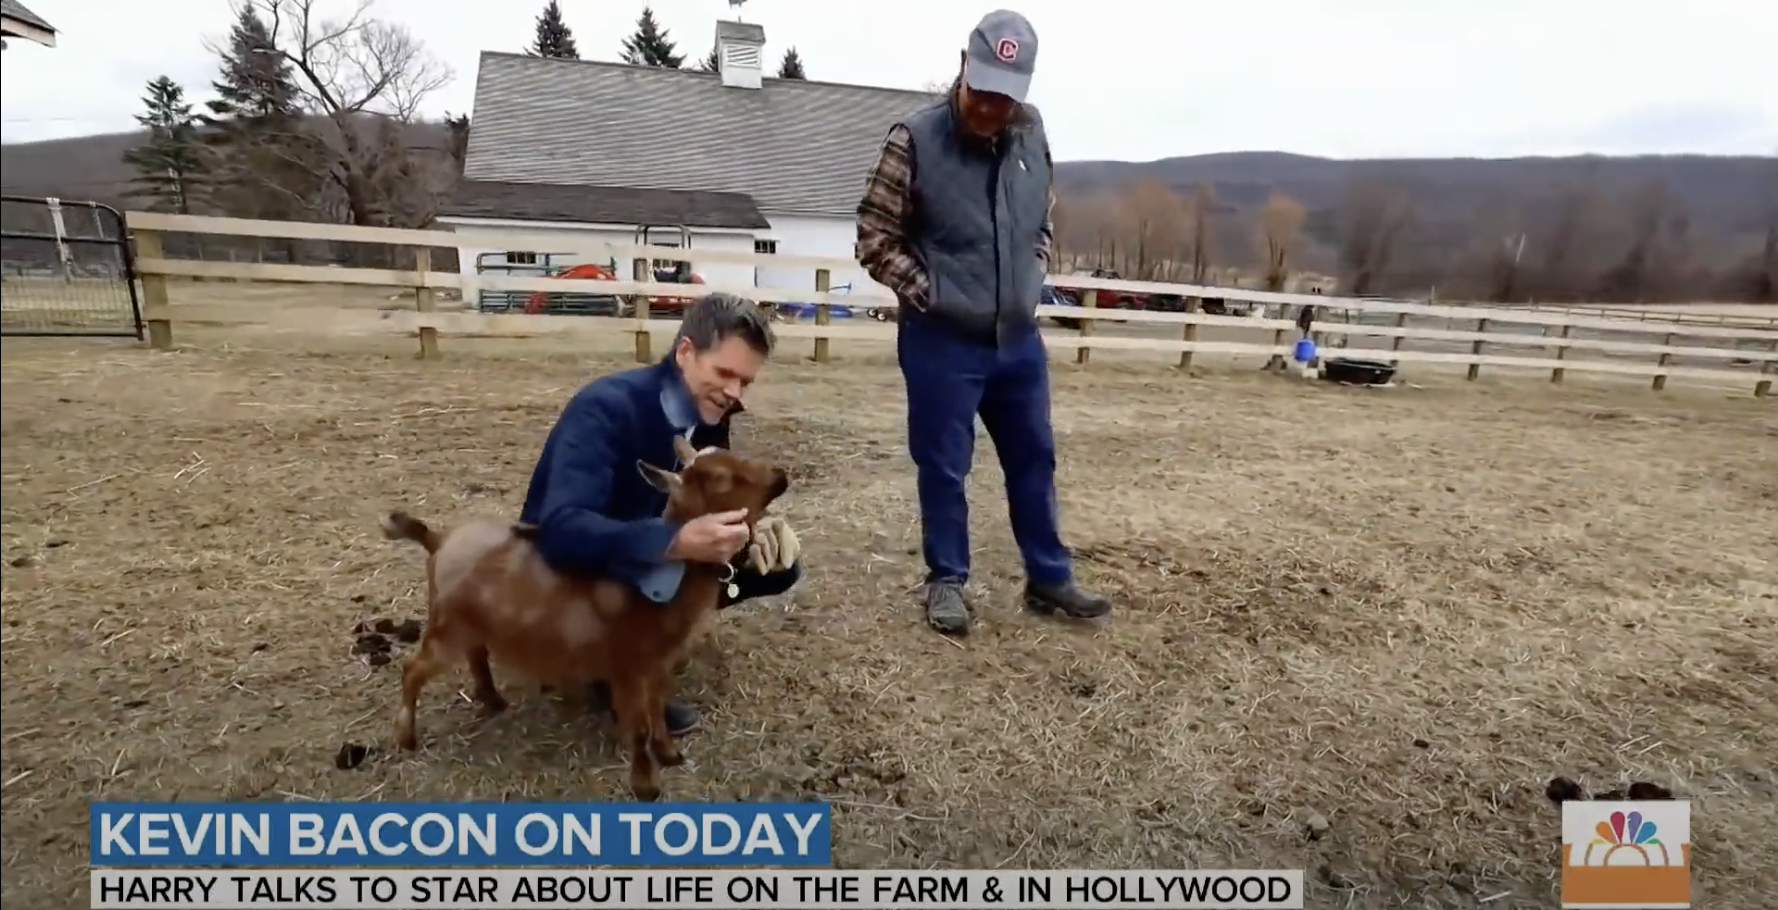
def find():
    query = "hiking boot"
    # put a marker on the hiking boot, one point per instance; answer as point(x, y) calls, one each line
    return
point(1067, 599)
point(946, 610)
point(680, 717)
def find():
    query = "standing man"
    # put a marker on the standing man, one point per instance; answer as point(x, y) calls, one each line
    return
point(594, 512)
point(955, 220)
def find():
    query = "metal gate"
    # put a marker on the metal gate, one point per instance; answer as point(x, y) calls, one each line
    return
point(66, 269)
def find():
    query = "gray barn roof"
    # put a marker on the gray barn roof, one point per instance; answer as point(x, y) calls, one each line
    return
point(796, 147)
point(603, 205)
point(12, 9)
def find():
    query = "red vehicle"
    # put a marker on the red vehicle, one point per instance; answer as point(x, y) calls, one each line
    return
point(1122, 300)
point(665, 272)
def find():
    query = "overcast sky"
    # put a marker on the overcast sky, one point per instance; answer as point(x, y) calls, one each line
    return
point(1118, 79)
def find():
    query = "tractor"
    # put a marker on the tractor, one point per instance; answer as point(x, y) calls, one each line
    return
point(664, 271)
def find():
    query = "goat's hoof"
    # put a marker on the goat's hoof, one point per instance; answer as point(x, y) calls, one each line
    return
point(672, 758)
point(491, 705)
point(646, 794)
point(407, 741)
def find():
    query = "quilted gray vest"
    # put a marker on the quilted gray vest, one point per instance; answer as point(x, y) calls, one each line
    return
point(976, 221)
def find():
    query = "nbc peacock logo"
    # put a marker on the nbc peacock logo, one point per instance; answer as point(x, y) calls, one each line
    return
point(1626, 854)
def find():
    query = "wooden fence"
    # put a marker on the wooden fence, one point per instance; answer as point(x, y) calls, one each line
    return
point(1738, 355)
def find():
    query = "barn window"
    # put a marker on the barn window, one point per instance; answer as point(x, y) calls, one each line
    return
point(765, 247)
point(513, 258)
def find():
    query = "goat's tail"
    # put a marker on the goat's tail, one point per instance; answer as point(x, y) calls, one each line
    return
point(402, 526)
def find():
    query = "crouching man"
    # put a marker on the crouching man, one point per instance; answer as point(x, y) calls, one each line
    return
point(595, 514)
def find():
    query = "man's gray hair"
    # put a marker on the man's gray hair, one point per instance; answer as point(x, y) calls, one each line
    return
point(716, 316)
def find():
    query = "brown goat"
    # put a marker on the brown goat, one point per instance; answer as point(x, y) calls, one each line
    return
point(491, 596)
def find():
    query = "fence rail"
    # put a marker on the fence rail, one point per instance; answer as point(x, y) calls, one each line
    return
point(1738, 354)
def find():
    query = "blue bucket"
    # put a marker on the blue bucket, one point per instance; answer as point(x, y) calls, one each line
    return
point(1305, 350)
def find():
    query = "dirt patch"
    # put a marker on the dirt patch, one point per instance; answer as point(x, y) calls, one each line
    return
point(1358, 632)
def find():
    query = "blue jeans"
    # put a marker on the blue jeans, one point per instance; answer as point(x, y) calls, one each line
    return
point(950, 380)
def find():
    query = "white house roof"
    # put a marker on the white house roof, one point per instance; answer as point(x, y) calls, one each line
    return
point(796, 147)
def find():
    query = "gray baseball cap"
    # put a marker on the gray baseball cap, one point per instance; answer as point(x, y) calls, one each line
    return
point(1002, 55)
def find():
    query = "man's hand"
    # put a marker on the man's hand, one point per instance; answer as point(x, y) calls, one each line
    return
point(712, 538)
point(775, 547)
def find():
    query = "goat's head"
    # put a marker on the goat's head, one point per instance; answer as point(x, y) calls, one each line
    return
point(716, 480)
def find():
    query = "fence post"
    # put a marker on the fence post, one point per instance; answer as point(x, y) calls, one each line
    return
point(1277, 361)
point(1088, 301)
point(1561, 354)
point(156, 306)
point(1401, 322)
point(1475, 350)
point(1190, 334)
point(640, 272)
point(1764, 387)
point(423, 302)
point(1661, 378)
point(823, 316)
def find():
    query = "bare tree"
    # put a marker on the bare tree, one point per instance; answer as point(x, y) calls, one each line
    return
point(1656, 258)
point(1567, 249)
point(362, 80)
point(1280, 231)
point(1376, 213)
point(1200, 209)
point(1155, 223)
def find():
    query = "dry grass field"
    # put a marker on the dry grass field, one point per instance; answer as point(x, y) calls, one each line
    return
point(1358, 630)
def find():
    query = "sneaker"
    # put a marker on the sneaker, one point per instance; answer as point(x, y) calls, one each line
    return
point(946, 610)
point(680, 717)
point(1066, 599)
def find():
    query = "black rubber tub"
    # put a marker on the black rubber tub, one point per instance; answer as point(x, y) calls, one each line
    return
point(1357, 372)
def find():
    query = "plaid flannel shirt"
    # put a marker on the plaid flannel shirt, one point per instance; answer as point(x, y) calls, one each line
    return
point(886, 210)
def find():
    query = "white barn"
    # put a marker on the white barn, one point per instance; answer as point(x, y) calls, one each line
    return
point(743, 162)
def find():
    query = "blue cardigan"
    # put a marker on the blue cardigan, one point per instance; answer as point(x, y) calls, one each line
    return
point(594, 512)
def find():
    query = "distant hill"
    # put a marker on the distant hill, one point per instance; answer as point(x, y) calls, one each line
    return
point(1716, 212)
point(1732, 193)
point(92, 168)
point(1727, 193)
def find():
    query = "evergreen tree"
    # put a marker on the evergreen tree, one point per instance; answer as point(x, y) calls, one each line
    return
point(650, 46)
point(256, 84)
point(792, 66)
point(712, 63)
point(169, 165)
point(263, 161)
point(554, 39)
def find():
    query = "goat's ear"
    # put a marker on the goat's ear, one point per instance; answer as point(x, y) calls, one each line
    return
point(660, 478)
point(682, 448)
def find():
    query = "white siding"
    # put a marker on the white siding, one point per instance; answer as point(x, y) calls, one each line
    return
point(796, 235)
point(814, 235)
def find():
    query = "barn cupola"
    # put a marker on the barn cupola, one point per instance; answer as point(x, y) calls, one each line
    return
point(740, 53)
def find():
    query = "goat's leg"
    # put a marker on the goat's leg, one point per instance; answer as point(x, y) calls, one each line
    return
point(661, 741)
point(637, 720)
point(414, 675)
point(486, 693)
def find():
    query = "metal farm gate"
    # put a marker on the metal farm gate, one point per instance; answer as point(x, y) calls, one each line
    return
point(66, 269)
